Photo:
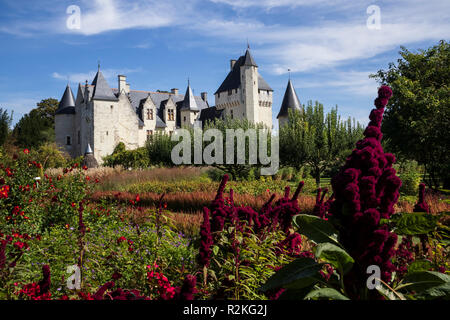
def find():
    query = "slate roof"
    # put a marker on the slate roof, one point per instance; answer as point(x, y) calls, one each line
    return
point(210, 114)
point(248, 59)
point(102, 91)
point(137, 99)
point(189, 102)
point(233, 79)
point(290, 101)
point(67, 103)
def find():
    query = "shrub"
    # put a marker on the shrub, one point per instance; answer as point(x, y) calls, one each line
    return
point(137, 158)
point(409, 173)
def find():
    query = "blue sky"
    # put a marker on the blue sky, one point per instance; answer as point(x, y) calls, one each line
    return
point(159, 44)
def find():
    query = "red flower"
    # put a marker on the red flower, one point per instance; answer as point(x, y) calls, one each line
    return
point(26, 151)
point(138, 198)
point(85, 167)
point(122, 238)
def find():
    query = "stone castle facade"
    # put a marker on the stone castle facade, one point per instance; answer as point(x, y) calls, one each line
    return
point(100, 117)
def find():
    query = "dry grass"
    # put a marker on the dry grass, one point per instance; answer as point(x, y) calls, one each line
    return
point(192, 202)
point(433, 201)
point(96, 173)
point(125, 178)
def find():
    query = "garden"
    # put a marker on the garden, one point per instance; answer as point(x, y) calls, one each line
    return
point(371, 230)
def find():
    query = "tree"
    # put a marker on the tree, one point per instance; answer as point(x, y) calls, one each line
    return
point(417, 118)
point(38, 126)
point(5, 122)
point(33, 130)
point(159, 147)
point(47, 108)
point(236, 170)
point(317, 140)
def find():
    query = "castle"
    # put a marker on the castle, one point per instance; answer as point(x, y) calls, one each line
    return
point(100, 116)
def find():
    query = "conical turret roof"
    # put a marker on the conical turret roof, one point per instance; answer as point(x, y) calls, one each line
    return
point(290, 101)
point(67, 103)
point(88, 149)
point(102, 91)
point(189, 102)
point(249, 61)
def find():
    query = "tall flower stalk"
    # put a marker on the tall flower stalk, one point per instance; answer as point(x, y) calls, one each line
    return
point(366, 190)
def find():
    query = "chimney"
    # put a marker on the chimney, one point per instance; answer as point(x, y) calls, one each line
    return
point(174, 90)
point(232, 62)
point(204, 96)
point(123, 84)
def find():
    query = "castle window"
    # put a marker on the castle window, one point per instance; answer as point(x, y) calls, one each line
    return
point(184, 119)
point(230, 92)
point(79, 137)
point(149, 133)
point(171, 115)
point(68, 142)
point(149, 114)
point(231, 114)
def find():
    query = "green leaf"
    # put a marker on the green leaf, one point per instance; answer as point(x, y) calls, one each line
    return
point(316, 229)
point(428, 283)
point(420, 265)
point(215, 250)
point(326, 294)
point(335, 255)
point(415, 223)
point(299, 271)
point(295, 294)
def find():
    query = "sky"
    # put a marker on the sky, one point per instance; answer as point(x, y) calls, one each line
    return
point(330, 46)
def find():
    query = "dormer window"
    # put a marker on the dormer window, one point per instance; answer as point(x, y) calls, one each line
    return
point(170, 115)
point(149, 114)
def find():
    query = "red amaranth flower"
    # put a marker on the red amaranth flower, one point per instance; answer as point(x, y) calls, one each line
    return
point(188, 289)
point(366, 189)
point(206, 240)
point(421, 205)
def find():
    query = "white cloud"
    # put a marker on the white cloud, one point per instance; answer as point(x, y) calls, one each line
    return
point(19, 106)
point(354, 82)
point(106, 15)
point(336, 42)
point(109, 74)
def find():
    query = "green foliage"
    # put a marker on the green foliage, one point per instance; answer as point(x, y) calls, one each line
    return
point(51, 156)
point(418, 113)
point(137, 158)
point(5, 122)
point(414, 223)
point(300, 273)
point(316, 229)
point(317, 140)
point(159, 149)
point(33, 130)
point(244, 279)
point(236, 170)
point(428, 284)
point(409, 173)
point(335, 255)
point(325, 294)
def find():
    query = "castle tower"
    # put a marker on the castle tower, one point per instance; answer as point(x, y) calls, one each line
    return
point(65, 121)
point(290, 102)
point(189, 110)
point(244, 94)
point(101, 112)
